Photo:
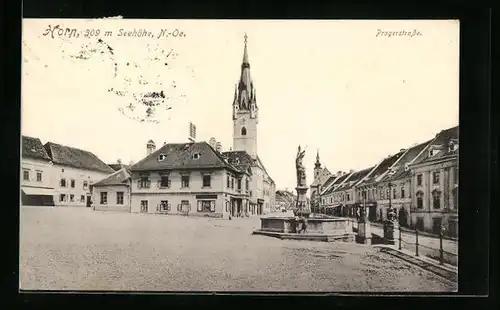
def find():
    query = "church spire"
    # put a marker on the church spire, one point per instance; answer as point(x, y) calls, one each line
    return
point(317, 164)
point(245, 99)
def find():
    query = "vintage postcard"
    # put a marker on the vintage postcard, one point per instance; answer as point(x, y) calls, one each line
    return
point(239, 155)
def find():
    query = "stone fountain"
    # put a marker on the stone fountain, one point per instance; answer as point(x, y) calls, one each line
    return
point(319, 228)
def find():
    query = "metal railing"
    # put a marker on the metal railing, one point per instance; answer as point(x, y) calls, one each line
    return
point(422, 245)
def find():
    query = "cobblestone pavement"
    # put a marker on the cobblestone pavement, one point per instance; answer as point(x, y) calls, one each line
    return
point(80, 249)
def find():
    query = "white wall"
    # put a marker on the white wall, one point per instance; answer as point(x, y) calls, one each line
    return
point(36, 165)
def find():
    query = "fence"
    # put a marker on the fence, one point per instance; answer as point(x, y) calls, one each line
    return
point(439, 248)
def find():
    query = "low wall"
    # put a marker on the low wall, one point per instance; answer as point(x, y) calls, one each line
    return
point(314, 225)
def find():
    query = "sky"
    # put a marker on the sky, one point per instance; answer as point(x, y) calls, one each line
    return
point(344, 87)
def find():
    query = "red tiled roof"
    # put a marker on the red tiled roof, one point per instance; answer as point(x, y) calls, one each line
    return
point(73, 157)
point(33, 148)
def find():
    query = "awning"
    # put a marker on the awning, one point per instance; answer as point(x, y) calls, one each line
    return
point(38, 191)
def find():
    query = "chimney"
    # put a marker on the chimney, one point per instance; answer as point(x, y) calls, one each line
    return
point(164, 142)
point(150, 147)
point(351, 170)
point(119, 161)
point(218, 147)
point(402, 150)
point(339, 172)
point(212, 142)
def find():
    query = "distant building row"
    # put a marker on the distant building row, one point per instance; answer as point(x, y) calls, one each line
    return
point(421, 182)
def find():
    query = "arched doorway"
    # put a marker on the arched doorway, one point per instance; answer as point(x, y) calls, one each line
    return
point(403, 217)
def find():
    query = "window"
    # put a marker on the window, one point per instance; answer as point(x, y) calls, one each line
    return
point(63, 182)
point(71, 197)
point(393, 193)
point(348, 197)
point(104, 198)
point(185, 181)
point(402, 192)
point(26, 175)
point(206, 206)
point(455, 175)
point(419, 180)
point(239, 185)
point(435, 177)
point(165, 181)
point(243, 131)
point(232, 182)
point(39, 176)
point(227, 206)
point(164, 206)
point(72, 183)
point(85, 184)
point(119, 198)
point(62, 170)
point(144, 182)
point(436, 199)
point(82, 198)
point(62, 197)
point(228, 182)
point(196, 155)
point(162, 157)
point(207, 180)
point(420, 200)
point(144, 206)
point(247, 184)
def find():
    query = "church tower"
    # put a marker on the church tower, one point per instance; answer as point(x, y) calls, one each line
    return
point(245, 110)
point(317, 167)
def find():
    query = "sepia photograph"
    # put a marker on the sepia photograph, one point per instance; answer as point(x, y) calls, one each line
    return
point(239, 155)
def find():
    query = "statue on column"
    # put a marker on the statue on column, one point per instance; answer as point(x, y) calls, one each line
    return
point(301, 170)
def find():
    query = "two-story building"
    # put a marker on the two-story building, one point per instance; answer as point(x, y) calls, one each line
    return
point(332, 198)
point(434, 188)
point(189, 179)
point(348, 191)
point(394, 186)
point(74, 171)
point(37, 186)
point(366, 189)
point(113, 193)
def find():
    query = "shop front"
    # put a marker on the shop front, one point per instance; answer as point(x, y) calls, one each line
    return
point(37, 196)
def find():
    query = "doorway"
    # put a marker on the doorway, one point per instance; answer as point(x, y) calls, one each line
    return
point(89, 202)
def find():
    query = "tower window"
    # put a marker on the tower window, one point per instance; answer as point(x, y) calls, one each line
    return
point(243, 131)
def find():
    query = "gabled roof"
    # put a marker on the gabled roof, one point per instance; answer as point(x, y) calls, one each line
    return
point(382, 167)
point(441, 141)
point(338, 181)
point(329, 181)
point(117, 178)
point(355, 177)
point(76, 158)
point(180, 156)
point(399, 171)
point(117, 167)
point(261, 165)
point(239, 159)
point(33, 148)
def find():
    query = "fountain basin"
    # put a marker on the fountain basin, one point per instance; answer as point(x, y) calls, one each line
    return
point(318, 229)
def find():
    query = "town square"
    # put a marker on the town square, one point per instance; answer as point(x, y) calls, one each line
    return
point(144, 186)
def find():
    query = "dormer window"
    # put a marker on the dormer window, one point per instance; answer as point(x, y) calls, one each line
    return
point(407, 167)
point(162, 157)
point(196, 155)
point(237, 161)
point(433, 152)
